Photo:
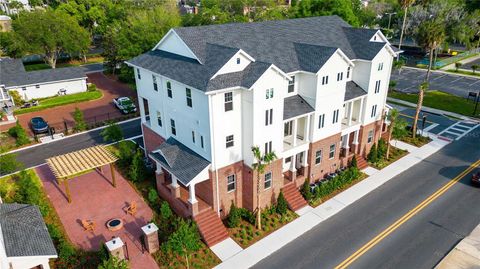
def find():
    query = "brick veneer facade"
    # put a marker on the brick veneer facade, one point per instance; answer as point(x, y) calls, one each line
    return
point(327, 165)
point(364, 146)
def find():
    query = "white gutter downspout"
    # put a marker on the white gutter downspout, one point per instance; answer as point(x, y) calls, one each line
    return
point(213, 153)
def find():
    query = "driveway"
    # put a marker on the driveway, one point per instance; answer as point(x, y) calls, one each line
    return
point(409, 79)
point(95, 110)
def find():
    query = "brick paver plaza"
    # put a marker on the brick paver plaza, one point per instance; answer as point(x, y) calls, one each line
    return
point(94, 198)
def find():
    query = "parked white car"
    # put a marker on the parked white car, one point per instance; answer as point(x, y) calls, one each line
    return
point(125, 104)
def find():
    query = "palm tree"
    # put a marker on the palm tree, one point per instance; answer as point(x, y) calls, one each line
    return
point(474, 68)
point(430, 35)
point(405, 4)
point(457, 65)
point(392, 117)
point(259, 167)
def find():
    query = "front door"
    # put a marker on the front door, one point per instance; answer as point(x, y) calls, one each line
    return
point(299, 160)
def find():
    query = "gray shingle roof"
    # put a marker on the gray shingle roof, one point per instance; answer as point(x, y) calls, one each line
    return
point(292, 45)
point(295, 106)
point(13, 74)
point(184, 163)
point(353, 91)
point(24, 232)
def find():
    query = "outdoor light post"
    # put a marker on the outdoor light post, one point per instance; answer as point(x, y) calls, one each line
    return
point(423, 122)
point(390, 18)
point(477, 99)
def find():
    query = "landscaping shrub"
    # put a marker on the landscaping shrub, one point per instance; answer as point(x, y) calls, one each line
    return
point(247, 215)
point(282, 205)
point(80, 124)
point(353, 162)
point(339, 182)
point(307, 194)
point(165, 211)
point(126, 151)
point(9, 163)
point(19, 134)
point(184, 240)
point(112, 133)
point(91, 87)
point(373, 154)
point(113, 263)
point(234, 216)
point(381, 149)
point(137, 170)
point(152, 196)
point(17, 99)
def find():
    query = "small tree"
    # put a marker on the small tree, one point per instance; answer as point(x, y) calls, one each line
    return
point(233, 216)
point(392, 117)
point(113, 263)
point(474, 67)
point(307, 194)
point(353, 162)
point(381, 149)
point(373, 154)
point(184, 240)
point(112, 133)
point(126, 150)
point(80, 124)
point(9, 163)
point(137, 169)
point(165, 211)
point(457, 66)
point(19, 134)
point(282, 205)
point(400, 129)
point(152, 196)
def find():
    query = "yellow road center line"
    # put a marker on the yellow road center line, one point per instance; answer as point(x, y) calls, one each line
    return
point(405, 218)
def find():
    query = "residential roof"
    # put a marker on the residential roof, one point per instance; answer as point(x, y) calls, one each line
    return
point(295, 106)
point(24, 232)
point(13, 74)
point(303, 44)
point(179, 160)
point(353, 91)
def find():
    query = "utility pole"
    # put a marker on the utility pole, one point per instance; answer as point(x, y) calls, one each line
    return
point(390, 18)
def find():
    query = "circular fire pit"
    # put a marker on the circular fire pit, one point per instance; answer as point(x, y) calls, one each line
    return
point(114, 224)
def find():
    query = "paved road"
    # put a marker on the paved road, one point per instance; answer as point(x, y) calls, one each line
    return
point(36, 155)
point(92, 68)
point(409, 79)
point(420, 242)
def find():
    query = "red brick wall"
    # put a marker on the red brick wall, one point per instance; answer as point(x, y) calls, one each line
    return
point(364, 146)
point(327, 165)
point(151, 139)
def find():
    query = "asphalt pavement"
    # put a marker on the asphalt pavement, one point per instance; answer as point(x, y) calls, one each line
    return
point(420, 242)
point(409, 79)
point(92, 68)
point(34, 156)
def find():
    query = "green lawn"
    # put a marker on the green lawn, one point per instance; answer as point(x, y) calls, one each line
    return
point(61, 100)
point(441, 100)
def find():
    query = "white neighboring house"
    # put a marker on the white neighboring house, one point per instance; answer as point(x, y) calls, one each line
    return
point(24, 238)
point(313, 90)
point(38, 84)
point(5, 6)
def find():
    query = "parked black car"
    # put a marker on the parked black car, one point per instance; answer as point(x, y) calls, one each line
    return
point(38, 125)
point(476, 179)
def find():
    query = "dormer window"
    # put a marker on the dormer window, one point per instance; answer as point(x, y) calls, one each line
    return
point(238, 60)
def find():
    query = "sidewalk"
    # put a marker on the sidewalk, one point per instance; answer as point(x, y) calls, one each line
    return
point(465, 255)
point(314, 216)
point(442, 72)
point(433, 110)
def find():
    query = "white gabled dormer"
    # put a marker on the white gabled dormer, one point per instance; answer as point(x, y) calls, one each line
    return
point(379, 37)
point(172, 43)
point(237, 63)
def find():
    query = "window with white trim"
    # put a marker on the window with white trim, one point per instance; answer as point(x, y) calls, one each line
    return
point(340, 76)
point(193, 137)
point(188, 93)
point(370, 137)
point(377, 86)
point(172, 127)
point(318, 156)
point(155, 86)
point(335, 116)
point(238, 60)
point(231, 183)
point(268, 181)
point(268, 117)
point(228, 101)
point(331, 153)
point(268, 147)
point(348, 72)
point(321, 121)
point(229, 141)
point(380, 66)
point(169, 89)
point(201, 141)
point(138, 74)
point(291, 84)
point(287, 128)
point(324, 80)
point(159, 118)
point(374, 111)
point(288, 159)
point(269, 93)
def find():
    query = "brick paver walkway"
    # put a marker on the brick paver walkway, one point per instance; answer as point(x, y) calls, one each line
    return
point(101, 107)
point(94, 198)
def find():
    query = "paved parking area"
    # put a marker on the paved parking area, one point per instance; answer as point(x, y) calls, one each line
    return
point(468, 66)
point(409, 79)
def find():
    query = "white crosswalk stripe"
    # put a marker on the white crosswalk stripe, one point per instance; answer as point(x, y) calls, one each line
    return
point(459, 129)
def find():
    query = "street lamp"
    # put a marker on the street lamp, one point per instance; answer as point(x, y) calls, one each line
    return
point(390, 18)
point(477, 99)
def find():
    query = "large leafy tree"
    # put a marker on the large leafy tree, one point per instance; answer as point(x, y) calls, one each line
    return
point(262, 161)
point(344, 8)
point(184, 240)
point(405, 4)
point(49, 33)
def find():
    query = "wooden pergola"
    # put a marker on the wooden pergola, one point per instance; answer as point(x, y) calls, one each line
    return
point(74, 163)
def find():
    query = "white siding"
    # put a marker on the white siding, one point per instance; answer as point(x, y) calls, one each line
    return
point(232, 66)
point(174, 44)
point(52, 89)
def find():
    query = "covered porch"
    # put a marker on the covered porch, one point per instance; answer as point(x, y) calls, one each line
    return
point(179, 171)
point(354, 105)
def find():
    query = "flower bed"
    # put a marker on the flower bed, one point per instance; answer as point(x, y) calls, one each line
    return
point(418, 141)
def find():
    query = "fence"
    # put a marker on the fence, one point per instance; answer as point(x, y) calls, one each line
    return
point(451, 60)
point(68, 126)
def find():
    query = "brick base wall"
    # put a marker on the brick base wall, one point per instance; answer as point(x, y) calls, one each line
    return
point(364, 146)
point(151, 139)
point(327, 165)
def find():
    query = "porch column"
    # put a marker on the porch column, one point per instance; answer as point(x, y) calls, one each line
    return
point(159, 174)
point(350, 110)
point(293, 168)
point(294, 133)
point(362, 108)
point(192, 201)
point(355, 141)
point(174, 187)
point(307, 129)
point(112, 171)
point(305, 156)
